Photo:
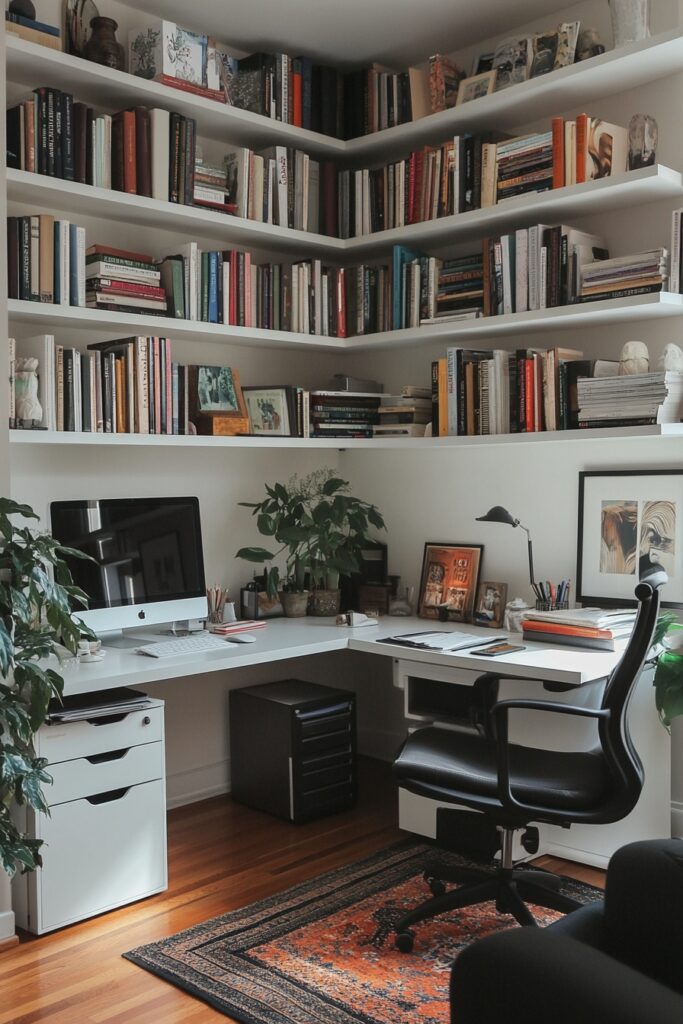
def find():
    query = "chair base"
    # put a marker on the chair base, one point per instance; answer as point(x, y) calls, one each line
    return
point(510, 888)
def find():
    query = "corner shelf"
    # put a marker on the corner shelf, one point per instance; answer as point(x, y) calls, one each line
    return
point(54, 319)
point(68, 439)
point(646, 185)
point(605, 75)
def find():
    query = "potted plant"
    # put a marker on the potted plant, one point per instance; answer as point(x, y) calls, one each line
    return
point(36, 597)
point(321, 527)
point(668, 678)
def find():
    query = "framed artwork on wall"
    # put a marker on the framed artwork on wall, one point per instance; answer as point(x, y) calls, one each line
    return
point(450, 576)
point(630, 522)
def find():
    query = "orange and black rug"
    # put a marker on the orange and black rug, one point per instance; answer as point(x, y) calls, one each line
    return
point(323, 952)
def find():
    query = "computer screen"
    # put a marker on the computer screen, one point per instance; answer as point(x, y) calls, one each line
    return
point(148, 561)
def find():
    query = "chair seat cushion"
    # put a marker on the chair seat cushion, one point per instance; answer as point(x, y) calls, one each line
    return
point(436, 762)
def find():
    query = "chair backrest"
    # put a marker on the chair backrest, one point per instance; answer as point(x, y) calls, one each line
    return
point(615, 738)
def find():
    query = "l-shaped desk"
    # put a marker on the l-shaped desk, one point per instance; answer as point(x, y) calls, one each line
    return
point(577, 672)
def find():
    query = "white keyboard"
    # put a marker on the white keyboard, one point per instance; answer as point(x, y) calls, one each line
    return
point(183, 645)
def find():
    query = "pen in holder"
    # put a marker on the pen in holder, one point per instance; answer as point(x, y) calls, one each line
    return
point(552, 598)
point(216, 598)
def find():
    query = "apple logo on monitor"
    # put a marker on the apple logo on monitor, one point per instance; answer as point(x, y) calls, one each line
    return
point(141, 614)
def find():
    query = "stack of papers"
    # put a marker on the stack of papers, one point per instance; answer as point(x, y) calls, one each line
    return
point(436, 640)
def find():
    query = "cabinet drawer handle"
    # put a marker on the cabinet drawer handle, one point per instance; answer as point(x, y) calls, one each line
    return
point(111, 755)
point(108, 798)
point(107, 719)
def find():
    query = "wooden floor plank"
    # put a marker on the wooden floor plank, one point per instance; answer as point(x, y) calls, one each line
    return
point(221, 856)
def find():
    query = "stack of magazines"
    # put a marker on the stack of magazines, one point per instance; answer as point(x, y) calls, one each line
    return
point(630, 399)
point(639, 274)
point(596, 628)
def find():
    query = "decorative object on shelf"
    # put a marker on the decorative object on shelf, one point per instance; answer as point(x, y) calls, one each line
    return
point(29, 411)
point(269, 411)
point(511, 61)
point(449, 580)
point(589, 44)
point(78, 15)
point(35, 622)
point(103, 47)
point(643, 136)
point(514, 613)
point(24, 8)
point(167, 49)
point(672, 357)
point(635, 358)
point(630, 21)
point(478, 85)
point(489, 609)
point(322, 529)
point(498, 514)
point(629, 522)
point(216, 402)
point(568, 35)
point(544, 52)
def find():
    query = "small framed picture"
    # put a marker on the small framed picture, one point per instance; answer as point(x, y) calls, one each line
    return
point(450, 576)
point(489, 609)
point(630, 523)
point(268, 411)
point(482, 62)
point(479, 85)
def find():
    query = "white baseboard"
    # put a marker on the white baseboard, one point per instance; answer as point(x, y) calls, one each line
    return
point(199, 783)
point(677, 819)
point(6, 925)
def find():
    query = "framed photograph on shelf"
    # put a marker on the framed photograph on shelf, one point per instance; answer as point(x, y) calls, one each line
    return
point(478, 85)
point(268, 411)
point(630, 522)
point(489, 609)
point(216, 403)
point(450, 576)
point(481, 63)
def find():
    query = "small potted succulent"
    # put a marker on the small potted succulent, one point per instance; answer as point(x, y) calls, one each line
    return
point(322, 528)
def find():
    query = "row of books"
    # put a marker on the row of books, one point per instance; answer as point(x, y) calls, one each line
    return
point(125, 386)
point(484, 391)
point(46, 260)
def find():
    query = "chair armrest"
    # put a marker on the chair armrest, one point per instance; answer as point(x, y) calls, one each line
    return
point(500, 714)
point(531, 976)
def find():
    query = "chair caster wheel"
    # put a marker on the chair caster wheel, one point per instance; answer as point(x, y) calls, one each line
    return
point(404, 941)
point(436, 886)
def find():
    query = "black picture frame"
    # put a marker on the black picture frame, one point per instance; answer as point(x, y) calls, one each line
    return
point(628, 521)
point(456, 594)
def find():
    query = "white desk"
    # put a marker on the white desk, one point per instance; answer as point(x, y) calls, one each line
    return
point(286, 639)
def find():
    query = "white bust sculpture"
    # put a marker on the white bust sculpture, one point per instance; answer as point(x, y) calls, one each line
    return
point(672, 357)
point(26, 388)
point(635, 358)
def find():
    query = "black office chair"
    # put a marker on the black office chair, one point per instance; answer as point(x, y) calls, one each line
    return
point(616, 961)
point(515, 785)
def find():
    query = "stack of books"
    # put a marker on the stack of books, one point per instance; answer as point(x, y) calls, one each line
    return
point(33, 31)
point(455, 289)
point(45, 260)
point(639, 274)
point(128, 282)
point(524, 165)
point(631, 399)
point(404, 415)
point(343, 414)
point(595, 628)
point(211, 186)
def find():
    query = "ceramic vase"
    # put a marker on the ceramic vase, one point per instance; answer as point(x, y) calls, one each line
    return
point(630, 21)
point(102, 47)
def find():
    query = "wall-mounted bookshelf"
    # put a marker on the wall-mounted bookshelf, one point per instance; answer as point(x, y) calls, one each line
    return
point(161, 441)
point(56, 320)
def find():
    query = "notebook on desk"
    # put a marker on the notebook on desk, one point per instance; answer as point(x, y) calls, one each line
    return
point(440, 640)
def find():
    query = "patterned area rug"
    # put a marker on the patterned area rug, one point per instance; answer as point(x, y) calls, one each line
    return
point(323, 952)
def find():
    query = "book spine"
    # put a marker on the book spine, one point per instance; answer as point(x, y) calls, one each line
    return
point(67, 136)
point(558, 152)
point(174, 158)
point(582, 128)
point(59, 385)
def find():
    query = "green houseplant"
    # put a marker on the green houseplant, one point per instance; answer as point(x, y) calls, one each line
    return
point(319, 526)
point(36, 597)
point(668, 677)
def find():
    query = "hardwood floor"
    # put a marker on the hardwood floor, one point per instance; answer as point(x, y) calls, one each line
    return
point(221, 856)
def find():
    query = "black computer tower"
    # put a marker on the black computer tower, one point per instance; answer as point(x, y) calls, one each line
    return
point(293, 748)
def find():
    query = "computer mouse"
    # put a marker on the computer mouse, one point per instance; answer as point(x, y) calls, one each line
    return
point(241, 638)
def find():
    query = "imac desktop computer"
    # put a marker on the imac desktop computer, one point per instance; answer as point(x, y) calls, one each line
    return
point(147, 563)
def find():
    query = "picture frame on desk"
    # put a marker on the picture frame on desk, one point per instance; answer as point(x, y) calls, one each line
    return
point(630, 522)
point(489, 609)
point(449, 581)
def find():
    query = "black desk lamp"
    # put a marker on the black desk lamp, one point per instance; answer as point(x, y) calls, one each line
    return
point(498, 514)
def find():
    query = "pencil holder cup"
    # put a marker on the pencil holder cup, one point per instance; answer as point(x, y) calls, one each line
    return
point(229, 612)
point(551, 606)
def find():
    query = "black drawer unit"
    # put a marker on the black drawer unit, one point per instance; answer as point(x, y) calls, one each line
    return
point(293, 748)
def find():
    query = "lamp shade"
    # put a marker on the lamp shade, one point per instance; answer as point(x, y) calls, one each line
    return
point(498, 514)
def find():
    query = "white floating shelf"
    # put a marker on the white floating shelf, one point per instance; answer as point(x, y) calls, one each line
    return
point(608, 74)
point(76, 199)
point(647, 184)
point(60, 319)
point(69, 439)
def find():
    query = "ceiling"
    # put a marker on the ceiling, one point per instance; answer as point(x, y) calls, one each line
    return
point(393, 32)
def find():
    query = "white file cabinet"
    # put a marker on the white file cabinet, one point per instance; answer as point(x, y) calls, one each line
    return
point(104, 843)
